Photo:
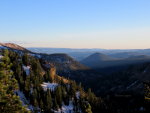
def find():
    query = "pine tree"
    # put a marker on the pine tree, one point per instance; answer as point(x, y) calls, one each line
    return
point(90, 96)
point(147, 90)
point(48, 101)
point(49, 77)
point(72, 91)
point(86, 107)
point(55, 105)
point(25, 59)
point(9, 102)
point(58, 94)
point(35, 102)
point(80, 87)
point(34, 97)
point(27, 86)
point(147, 95)
point(65, 97)
point(41, 105)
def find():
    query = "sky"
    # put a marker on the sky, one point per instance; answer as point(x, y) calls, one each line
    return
point(106, 24)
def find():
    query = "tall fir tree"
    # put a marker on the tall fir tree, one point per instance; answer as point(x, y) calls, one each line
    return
point(58, 94)
point(9, 102)
point(48, 101)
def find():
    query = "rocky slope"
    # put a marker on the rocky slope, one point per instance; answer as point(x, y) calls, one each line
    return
point(14, 46)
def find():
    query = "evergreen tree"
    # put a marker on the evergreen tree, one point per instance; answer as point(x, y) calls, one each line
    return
point(147, 95)
point(147, 90)
point(90, 96)
point(58, 94)
point(27, 86)
point(49, 77)
point(48, 101)
point(35, 102)
point(41, 105)
point(25, 59)
point(72, 91)
point(9, 102)
point(86, 107)
point(65, 96)
point(55, 105)
point(34, 97)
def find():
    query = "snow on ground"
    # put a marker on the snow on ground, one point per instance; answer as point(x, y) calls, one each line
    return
point(25, 102)
point(132, 85)
point(2, 47)
point(78, 94)
point(22, 97)
point(66, 109)
point(1, 56)
point(26, 69)
point(31, 90)
point(32, 108)
point(48, 85)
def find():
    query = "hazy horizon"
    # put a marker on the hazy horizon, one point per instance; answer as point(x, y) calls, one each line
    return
point(26, 46)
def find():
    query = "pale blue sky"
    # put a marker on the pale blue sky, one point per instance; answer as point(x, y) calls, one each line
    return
point(110, 24)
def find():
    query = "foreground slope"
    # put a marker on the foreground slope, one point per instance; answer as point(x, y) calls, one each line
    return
point(42, 90)
point(66, 66)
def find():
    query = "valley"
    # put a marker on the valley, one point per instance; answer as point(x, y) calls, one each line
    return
point(112, 79)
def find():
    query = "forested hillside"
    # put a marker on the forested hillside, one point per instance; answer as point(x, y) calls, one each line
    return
point(28, 85)
point(31, 82)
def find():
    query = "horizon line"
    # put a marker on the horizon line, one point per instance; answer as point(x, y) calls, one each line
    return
point(86, 48)
point(22, 45)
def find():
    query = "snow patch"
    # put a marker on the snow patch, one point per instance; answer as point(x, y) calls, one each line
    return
point(51, 86)
point(31, 90)
point(26, 69)
point(132, 85)
point(66, 109)
point(33, 109)
point(1, 56)
point(2, 47)
point(22, 98)
point(78, 95)
point(25, 102)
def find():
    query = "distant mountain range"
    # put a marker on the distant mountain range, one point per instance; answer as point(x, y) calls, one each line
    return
point(80, 54)
point(99, 60)
point(69, 66)
point(90, 58)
